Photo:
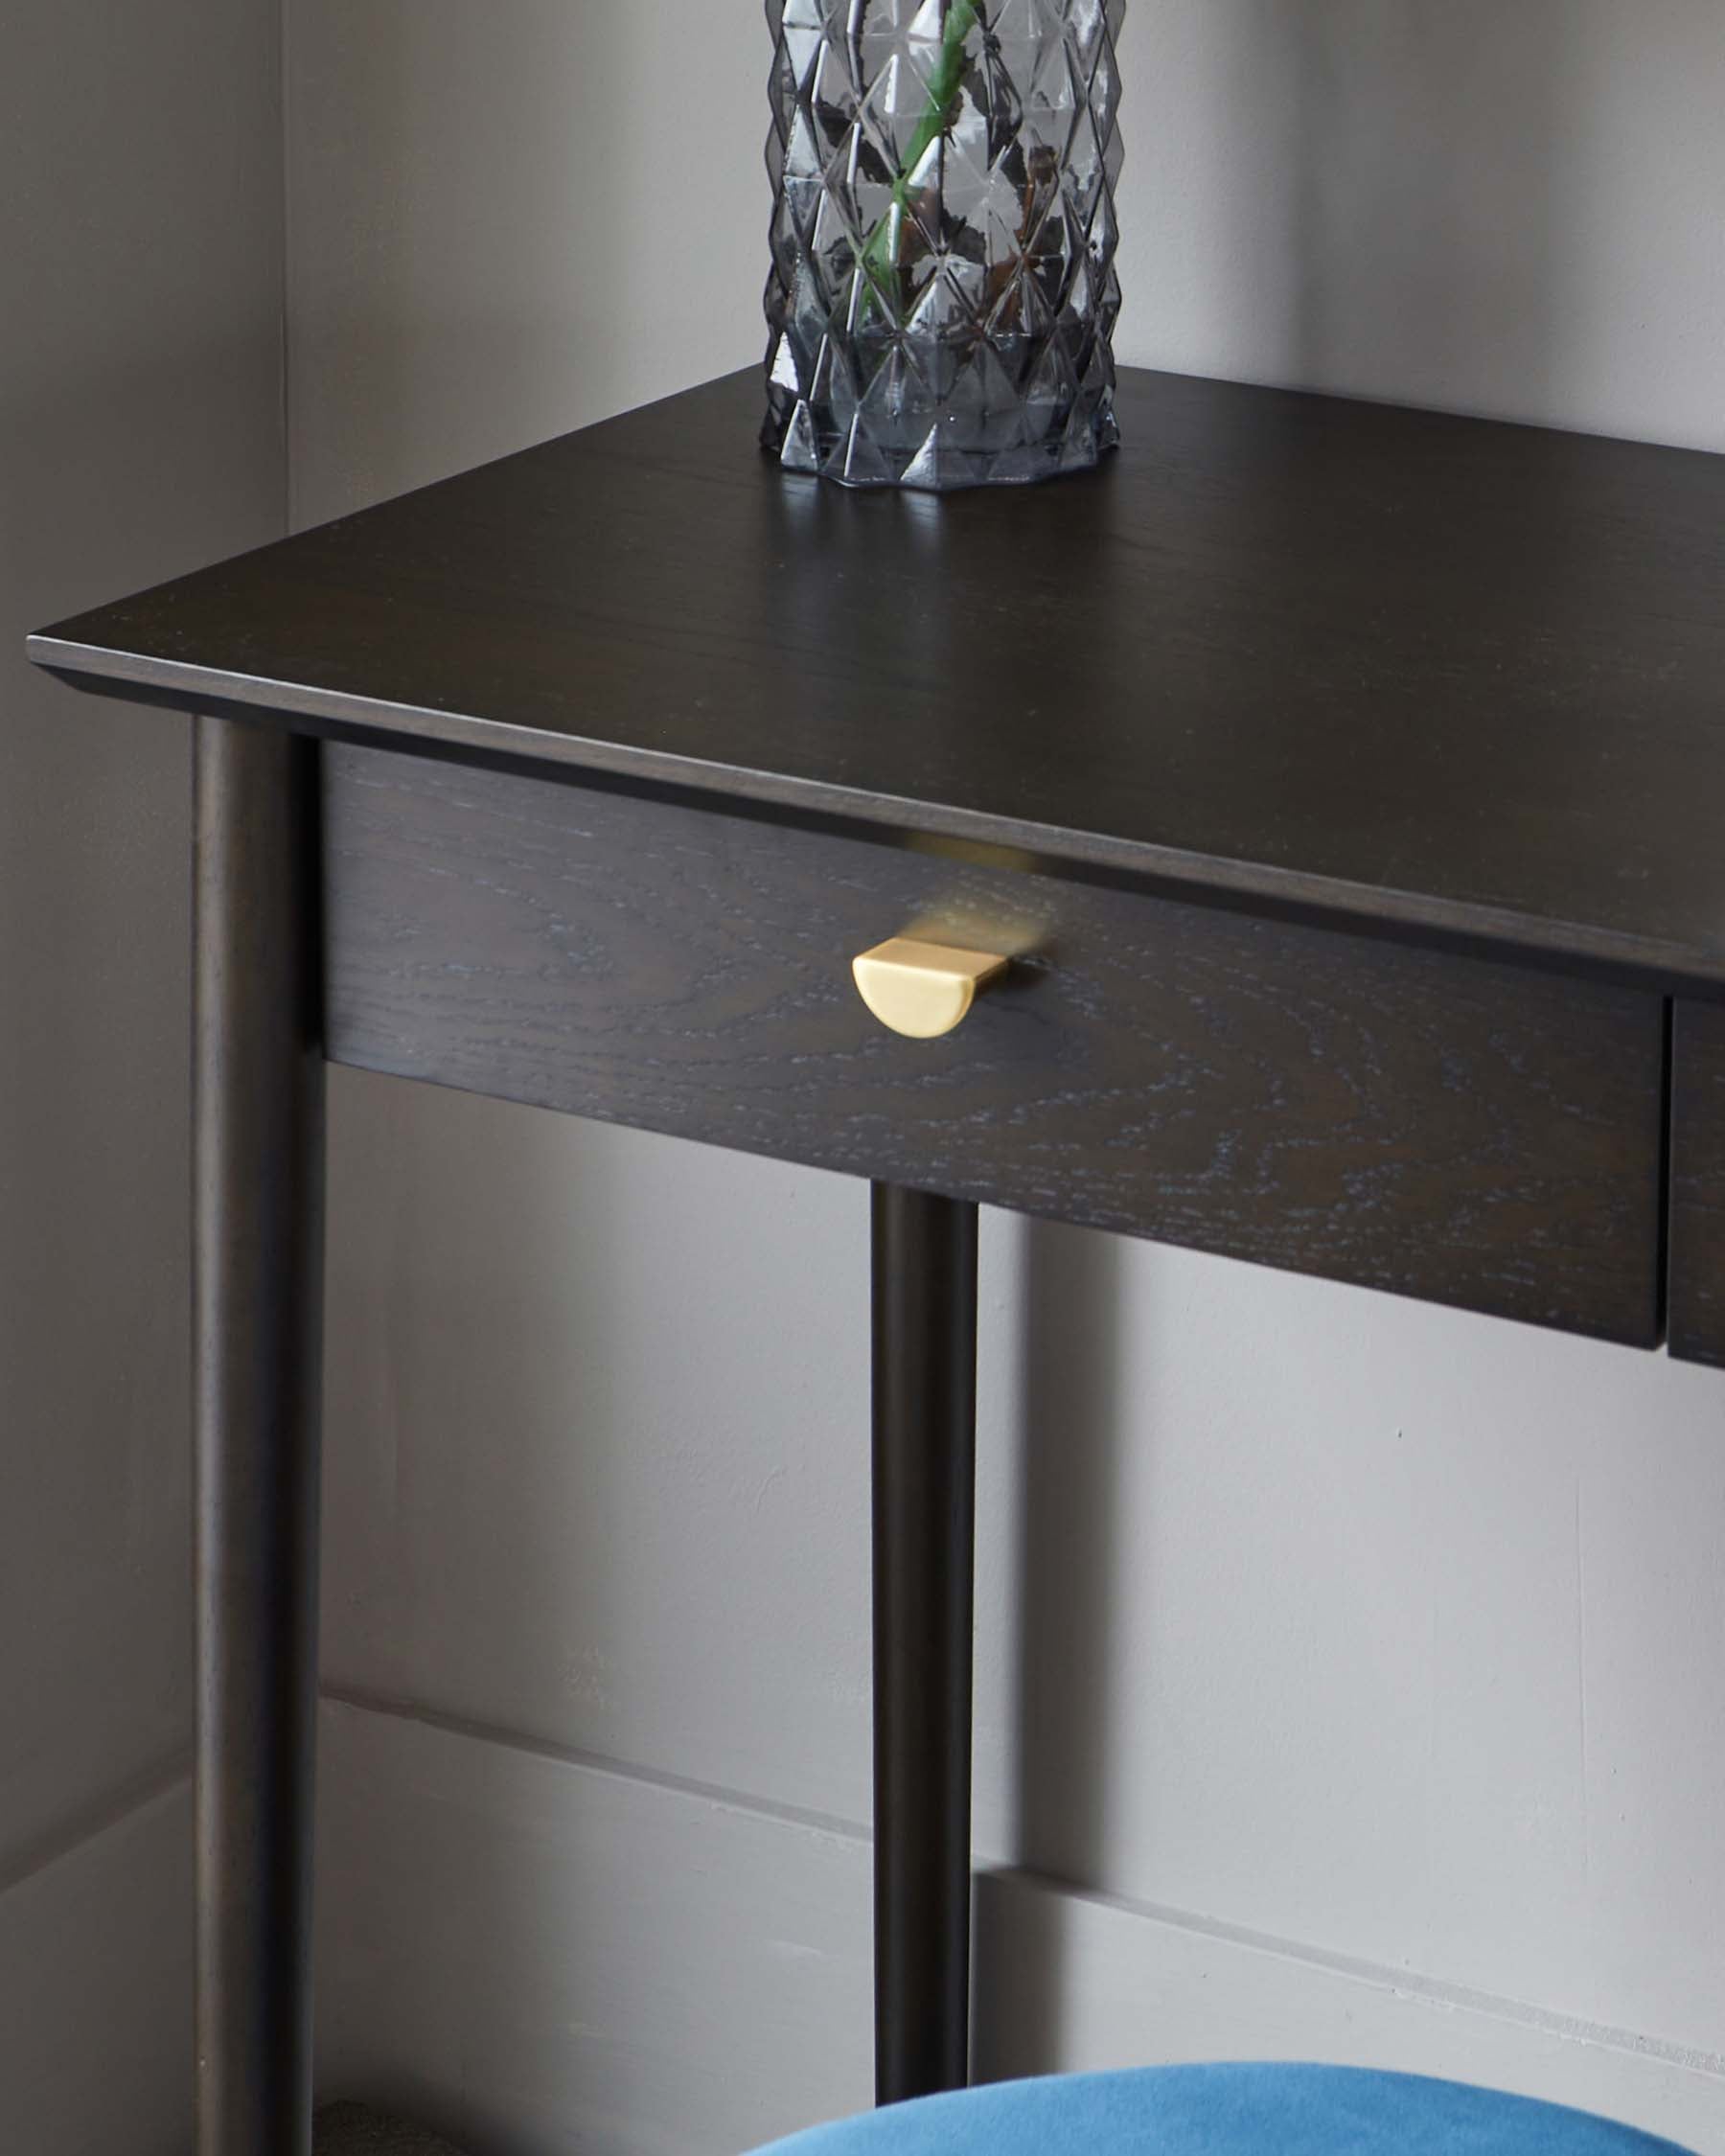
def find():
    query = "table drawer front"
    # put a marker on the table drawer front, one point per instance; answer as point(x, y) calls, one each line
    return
point(1438, 1126)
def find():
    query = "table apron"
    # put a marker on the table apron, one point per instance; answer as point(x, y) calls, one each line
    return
point(1466, 1131)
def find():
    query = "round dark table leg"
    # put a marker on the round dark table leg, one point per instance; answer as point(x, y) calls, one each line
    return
point(925, 1392)
point(257, 1167)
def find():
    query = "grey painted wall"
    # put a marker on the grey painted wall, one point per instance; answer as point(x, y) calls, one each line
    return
point(1385, 1636)
point(140, 433)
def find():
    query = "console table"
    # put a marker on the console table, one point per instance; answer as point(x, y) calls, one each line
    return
point(1335, 794)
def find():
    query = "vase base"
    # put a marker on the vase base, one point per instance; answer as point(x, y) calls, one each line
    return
point(942, 462)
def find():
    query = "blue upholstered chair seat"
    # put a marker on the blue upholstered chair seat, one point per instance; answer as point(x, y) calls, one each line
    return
point(1226, 2111)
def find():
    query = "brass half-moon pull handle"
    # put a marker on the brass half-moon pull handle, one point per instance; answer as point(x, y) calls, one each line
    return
point(923, 989)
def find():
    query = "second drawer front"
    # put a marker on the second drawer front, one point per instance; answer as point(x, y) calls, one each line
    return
point(1439, 1126)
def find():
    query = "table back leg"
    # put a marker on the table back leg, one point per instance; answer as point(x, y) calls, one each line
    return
point(925, 1397)
point(258, 1241)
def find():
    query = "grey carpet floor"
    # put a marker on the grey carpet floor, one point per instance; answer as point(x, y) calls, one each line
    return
point(350, 2129)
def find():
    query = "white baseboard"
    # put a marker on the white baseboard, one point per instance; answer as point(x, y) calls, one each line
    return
point(541, 1955)
point(1069, 1982)
point(96, 1992)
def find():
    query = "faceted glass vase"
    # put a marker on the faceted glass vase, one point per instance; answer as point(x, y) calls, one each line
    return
point(943, 292)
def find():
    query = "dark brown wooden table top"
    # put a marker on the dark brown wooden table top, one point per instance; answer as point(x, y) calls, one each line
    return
point(1445, 676)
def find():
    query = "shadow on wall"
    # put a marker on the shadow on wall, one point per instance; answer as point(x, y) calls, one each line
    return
point(1375, 197)
point(1020, 1978)
point(1420, 195)
point(1070, 1326)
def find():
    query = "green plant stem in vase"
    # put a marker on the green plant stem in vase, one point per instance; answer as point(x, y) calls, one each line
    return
point(880, 255)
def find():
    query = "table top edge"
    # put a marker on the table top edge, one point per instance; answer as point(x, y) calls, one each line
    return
point(1493, 931)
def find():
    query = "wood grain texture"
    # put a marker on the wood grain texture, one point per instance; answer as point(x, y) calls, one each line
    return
point(1407, 1119)
point(1697, 1256)
point(1390, 665)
